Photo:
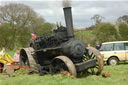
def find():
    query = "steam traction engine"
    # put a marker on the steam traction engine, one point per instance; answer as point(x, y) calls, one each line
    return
point(61, 52)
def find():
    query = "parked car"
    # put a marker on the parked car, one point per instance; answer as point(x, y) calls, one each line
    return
point(114, 52)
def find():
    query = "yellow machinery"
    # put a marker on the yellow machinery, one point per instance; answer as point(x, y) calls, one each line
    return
point(6, 58)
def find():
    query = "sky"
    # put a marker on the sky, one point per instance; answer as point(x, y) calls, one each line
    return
point(82, 10)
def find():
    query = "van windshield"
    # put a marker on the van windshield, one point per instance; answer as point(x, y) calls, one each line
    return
point(106, 47)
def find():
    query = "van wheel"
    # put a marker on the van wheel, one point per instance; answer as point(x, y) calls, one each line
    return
point(113, 61)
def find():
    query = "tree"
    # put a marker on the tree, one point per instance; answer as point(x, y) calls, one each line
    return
point(21, 20)
point(105, 32)
point(18, 14)
point(4, 32)
point(44, 29)
point(123, 18)
point(123, 31)
point(97, 18)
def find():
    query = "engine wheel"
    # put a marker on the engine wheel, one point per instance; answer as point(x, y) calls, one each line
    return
point(113, 61)
point(61, 64)
point(27, 59)
point(92, 53)
point(24, 58)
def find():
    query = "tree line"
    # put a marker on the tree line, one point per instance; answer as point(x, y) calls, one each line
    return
point(17, 21)
point(112, 32)
point(106, 32)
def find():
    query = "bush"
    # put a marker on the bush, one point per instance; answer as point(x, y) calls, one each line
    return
point(105, 32)
point(123, 31)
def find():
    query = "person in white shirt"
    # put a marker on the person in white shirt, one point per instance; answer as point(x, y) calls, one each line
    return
point(2, 52)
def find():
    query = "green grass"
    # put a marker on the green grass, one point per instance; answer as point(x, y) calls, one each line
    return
point(88, 32)
point(119, 76)
point(11, 53)
point(88, 37)
point(84, 33)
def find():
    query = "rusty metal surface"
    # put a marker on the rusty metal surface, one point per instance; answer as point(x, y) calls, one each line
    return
point(32, 63)
point(69, 64)
point(98, 57)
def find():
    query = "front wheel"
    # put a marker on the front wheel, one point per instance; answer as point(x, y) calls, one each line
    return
point(61, 64)
point(113, 61)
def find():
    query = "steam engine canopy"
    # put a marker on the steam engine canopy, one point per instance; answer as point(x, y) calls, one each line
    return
point(74, 48)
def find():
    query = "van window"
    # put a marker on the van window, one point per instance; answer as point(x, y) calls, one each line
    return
point(126, 46)
point(106, 47)
point(119, 46)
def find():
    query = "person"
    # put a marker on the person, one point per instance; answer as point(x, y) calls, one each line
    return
point(89, 45)
point(34, 36)
point(17, 57)
point(2, 52)
point(98, 46)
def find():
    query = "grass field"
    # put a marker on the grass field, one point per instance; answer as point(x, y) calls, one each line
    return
point(119, 76)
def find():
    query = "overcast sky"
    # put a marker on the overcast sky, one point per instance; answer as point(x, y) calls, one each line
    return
point(82, 10)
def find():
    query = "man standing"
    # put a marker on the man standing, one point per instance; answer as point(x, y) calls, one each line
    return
point(33, 36)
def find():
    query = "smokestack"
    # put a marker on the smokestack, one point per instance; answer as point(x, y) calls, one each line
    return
point(68, 21)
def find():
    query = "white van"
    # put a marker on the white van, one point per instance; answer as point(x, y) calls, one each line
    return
point(114, 52)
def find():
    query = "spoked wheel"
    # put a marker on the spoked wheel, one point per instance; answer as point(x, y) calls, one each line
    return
point(92, 53)
point(61, 64)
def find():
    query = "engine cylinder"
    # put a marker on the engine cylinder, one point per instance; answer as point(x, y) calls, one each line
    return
point(74, 49)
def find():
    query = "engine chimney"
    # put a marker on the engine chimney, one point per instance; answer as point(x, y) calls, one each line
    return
point(68, 21)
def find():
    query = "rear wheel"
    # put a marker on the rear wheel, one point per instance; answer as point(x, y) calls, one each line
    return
point(113, 61)
point(27, 59)
point(24, 58)
point(92, 53)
